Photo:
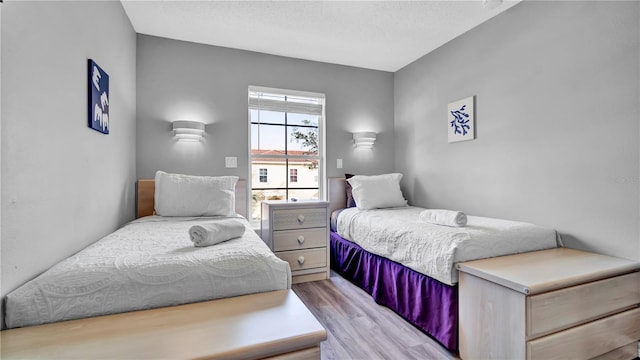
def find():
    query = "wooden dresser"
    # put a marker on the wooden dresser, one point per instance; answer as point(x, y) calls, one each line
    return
point(298, 232)
point(549, 304)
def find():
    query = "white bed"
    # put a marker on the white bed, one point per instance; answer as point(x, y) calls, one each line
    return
point(433, 250)
point(408, 265)
point(148, 263)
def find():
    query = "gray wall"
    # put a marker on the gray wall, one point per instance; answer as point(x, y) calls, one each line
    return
point(181, 80)
point(63, 185)
point(557, 111)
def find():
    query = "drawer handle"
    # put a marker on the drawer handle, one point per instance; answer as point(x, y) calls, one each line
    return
point(301, 219)
point(301, 260)
point(300, 239)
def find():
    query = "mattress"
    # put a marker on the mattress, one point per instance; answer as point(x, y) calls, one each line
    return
point(432, 250)
point(150, 262)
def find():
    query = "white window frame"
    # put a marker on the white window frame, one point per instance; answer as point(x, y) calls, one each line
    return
point(321, 157)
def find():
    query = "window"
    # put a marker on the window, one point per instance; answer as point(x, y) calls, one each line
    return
point(287, 142)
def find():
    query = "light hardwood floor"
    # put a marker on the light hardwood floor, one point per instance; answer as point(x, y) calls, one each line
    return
point(358, 328)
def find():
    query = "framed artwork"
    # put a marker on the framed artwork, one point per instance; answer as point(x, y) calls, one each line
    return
point(461, 120)
point(98, 98)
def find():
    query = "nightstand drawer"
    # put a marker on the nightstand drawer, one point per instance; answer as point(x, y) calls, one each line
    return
point(561, 309)
point(299, 218)
point(589, 340)
point(304, 259)
point(299, 239)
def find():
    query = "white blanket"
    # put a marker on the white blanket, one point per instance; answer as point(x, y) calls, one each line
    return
point(398, 235)
point(148, 263)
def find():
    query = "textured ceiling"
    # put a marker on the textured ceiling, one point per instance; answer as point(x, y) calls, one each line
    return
point(381, 35)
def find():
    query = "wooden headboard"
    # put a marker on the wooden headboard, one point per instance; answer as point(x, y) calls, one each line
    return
point(336, 193)
point(146, 194)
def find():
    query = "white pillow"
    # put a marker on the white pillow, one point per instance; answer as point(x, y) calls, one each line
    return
point(377, 192)
point(186, 195)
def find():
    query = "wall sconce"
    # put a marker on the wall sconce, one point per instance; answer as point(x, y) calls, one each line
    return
point(491, 4)
point(186, 130)
point(364, 140)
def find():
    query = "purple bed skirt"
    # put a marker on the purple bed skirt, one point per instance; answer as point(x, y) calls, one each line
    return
point(425, 302)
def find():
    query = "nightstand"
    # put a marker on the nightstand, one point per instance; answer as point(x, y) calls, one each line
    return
point(298, 233)
point(549, 304)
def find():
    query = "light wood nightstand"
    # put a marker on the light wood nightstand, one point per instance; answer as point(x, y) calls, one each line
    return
point(549, 304)
point(298, 233)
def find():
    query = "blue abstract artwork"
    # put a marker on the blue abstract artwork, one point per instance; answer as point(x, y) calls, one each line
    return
point(461, 120)
point(98, 98)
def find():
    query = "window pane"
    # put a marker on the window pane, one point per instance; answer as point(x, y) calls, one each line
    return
point(267, 137)
point(302, 119)
point(256, 200)
point(306, 173)
point(264, 116)
point(302, 140)
point(257, 196)
point(303, 194)
point(275, 194)
point(268, 173)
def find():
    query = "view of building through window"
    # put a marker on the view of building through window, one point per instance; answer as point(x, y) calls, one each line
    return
point(286, 148)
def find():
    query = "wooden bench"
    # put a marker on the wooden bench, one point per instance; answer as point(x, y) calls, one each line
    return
point(267, 325)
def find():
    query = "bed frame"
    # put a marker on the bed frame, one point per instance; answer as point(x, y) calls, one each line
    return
point(337, 194)
point(495, 281)
point(271, 325)
point(145, 194)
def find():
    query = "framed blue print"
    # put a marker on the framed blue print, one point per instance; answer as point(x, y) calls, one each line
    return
point(98, 98)
point(461, 120)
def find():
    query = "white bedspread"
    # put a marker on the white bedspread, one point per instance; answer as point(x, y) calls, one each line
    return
point(434, 249)
point(148, 263)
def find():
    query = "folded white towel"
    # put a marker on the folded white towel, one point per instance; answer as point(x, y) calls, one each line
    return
point(215, 232)
point(443, 217)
